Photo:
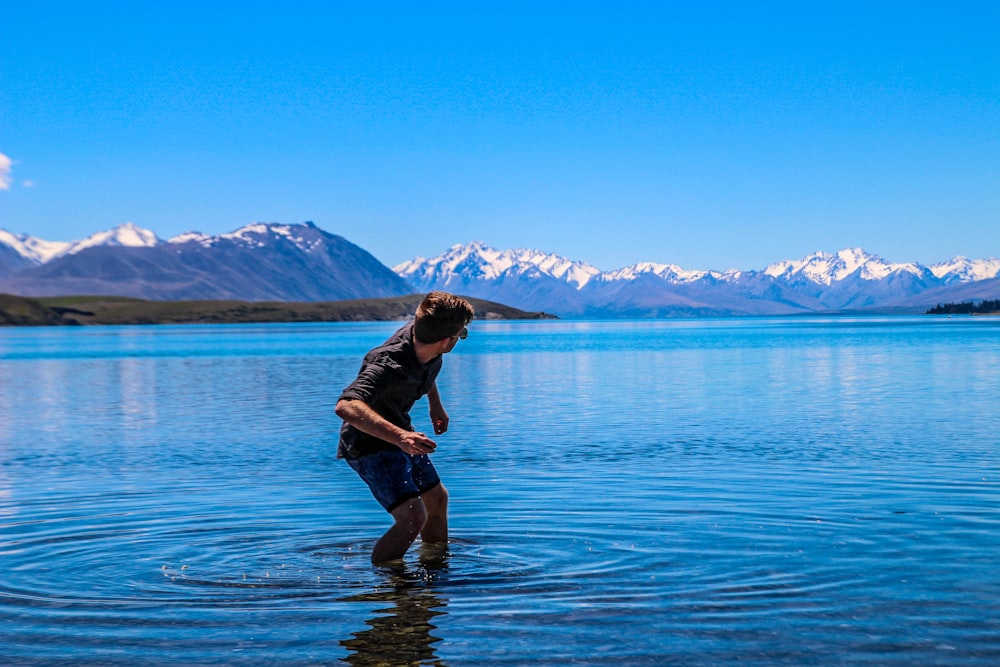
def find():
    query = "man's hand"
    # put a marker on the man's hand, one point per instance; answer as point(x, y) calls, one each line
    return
point(440, 421)
point(415, 443)
point(439, 417)
point(360, 415)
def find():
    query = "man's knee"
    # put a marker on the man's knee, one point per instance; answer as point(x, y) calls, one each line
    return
point(412, 514)
point(436, 499)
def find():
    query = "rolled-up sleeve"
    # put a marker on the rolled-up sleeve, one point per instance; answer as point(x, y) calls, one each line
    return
point(364, 388)
point(374, 378)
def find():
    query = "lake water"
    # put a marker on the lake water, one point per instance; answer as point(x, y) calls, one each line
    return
point(799, 491)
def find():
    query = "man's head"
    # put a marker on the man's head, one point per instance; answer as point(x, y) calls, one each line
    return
point(441, 315)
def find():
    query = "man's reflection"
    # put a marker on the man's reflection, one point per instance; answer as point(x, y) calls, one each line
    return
point(400, 633)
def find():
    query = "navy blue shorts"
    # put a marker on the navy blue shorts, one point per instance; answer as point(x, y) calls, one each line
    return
point(395, 476)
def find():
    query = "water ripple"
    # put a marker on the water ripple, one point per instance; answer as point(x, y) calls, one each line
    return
point(638, 494)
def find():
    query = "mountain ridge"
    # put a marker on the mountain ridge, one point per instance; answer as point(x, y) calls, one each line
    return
point(257, 262)
point(847, 280)
point(300, 262)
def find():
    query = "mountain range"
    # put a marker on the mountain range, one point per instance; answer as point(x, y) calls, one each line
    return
point(849, 280)
point(258, 262)
point(301, 262)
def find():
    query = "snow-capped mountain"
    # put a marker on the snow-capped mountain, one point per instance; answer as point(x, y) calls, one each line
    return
point(39, 251)
point(823, 268)
point(532, 278)
point(306, 237)
point(849, 279)
point(32, 249)
point(477, 261)
point(668, 272)
point(271, 261)
point(261, 261)
point(852, 279)
point(962, 270)
point(127, 235)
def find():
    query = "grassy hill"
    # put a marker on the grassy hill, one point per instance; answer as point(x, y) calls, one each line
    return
point(16, 310)
point(45, 311)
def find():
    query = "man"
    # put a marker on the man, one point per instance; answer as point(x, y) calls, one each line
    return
point(377, 437)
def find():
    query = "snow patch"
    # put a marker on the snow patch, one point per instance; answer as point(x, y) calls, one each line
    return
point(961, 269)
point(204, 240)
point(126, 235)
point(36, 250)
point(256, 235)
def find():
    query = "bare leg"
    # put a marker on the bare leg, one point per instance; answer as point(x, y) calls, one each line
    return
point(435, 530)
point(410, 518)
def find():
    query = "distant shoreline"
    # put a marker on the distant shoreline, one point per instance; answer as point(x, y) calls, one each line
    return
point(113, 310)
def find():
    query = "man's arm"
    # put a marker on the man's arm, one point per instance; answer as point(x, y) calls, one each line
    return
point(361, 416)
point(439, 417)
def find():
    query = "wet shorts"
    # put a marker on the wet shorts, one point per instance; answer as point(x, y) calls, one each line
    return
point(395, 476)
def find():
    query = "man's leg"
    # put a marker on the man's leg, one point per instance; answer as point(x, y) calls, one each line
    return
point(435, 530)
point(409, 519)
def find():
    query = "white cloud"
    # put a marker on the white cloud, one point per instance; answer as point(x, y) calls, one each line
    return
point(4, 172)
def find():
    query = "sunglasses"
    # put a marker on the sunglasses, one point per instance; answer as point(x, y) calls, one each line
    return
point(463, 334)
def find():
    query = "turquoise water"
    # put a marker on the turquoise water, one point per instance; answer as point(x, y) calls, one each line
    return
point(698, 492)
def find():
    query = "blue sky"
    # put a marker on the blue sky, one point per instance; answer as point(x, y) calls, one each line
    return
point(712, 135)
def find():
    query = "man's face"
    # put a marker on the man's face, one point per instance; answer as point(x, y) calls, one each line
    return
point(453, 340)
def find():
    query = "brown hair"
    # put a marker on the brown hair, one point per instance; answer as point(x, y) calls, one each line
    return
point(441, 315)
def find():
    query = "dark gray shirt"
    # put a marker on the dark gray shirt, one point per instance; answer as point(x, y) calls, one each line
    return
point(391, 380)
